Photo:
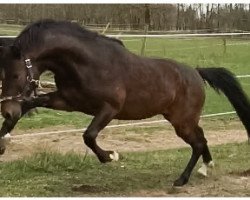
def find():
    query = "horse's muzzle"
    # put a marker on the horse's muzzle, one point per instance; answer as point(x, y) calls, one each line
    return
point(11, 109)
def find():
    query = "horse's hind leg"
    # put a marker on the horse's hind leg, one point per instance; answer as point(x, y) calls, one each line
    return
point(206, 156)
point(193, 136)
point(106, 114)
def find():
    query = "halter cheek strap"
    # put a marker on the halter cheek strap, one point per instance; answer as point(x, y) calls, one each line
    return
point(34, 83)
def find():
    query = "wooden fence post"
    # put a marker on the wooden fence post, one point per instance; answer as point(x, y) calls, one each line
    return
point(144, 41)
point(224, 45)
point(106, 28)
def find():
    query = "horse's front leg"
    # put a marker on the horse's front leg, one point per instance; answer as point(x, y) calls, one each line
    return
point(53, 100)
point(105, 115)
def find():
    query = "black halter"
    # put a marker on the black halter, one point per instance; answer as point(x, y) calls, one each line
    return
point(32, 83)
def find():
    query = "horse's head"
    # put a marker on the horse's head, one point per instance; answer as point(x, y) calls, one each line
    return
point(15, 84)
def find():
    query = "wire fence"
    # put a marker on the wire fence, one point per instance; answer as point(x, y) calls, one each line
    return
point(141, 123)
point(166, 35)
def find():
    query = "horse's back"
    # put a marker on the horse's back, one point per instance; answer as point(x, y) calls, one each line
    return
point(153, 86)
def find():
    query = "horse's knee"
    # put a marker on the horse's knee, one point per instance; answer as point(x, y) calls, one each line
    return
point(198, 147)
point(89, 137)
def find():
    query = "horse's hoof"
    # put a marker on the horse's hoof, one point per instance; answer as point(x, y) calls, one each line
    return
point(3, 143)
point(108, 156)
point(203, 170)
point(180, 182)
point(2, 150)
point(114, 156)
point(211, 164)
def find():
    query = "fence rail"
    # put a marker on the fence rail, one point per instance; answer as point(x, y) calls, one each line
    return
point(166, 35)
point(113, 126)
point(51, 84)
point(179, 35)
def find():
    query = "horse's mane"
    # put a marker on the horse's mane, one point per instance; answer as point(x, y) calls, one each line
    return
point(6, 41)
point(32, 33)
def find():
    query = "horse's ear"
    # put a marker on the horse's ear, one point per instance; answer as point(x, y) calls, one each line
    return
point(15, 51)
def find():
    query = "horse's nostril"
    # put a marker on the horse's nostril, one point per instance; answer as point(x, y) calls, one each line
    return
point(2, 150)
point(2, 145)
point(7, 115)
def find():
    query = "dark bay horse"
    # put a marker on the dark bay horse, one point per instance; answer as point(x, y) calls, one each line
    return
point(98, 76)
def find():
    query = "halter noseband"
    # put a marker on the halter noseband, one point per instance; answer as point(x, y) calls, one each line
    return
point(33, 83)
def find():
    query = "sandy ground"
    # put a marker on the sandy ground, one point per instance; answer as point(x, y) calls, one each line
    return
point(119, 139)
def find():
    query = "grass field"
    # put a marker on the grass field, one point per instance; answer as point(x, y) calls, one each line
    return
point(54, 174)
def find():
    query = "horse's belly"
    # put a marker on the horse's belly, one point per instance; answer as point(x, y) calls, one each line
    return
point(143, 109)
point(124, 115)
point(81, 102)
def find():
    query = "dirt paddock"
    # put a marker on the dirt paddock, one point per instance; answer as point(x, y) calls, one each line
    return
point(118, 139)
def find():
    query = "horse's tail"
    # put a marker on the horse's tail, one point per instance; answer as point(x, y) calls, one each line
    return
point(220, 79)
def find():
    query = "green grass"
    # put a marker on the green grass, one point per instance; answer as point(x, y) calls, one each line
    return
point(204, 52)
point(47, 118)
point(53, 174)
point(198, 51)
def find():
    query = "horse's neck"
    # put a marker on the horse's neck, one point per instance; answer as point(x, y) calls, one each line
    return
point(59, 69)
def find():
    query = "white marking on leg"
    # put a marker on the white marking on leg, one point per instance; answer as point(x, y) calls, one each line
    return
point(211, 164)
point(7, 135)
point(203, 169)
point(114, 156)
